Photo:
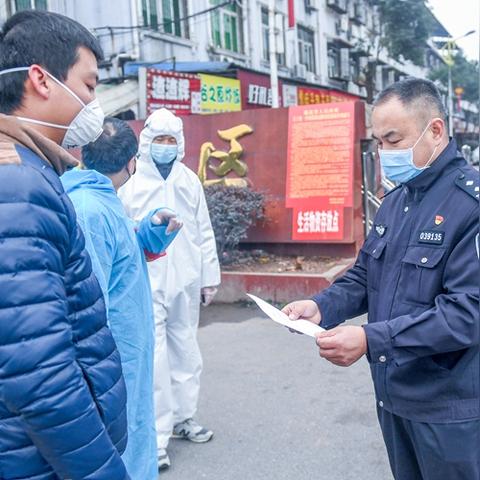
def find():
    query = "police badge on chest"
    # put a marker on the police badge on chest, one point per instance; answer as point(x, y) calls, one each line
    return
point(433, 236)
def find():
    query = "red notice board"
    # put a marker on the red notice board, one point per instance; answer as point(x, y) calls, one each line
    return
point(320, 169)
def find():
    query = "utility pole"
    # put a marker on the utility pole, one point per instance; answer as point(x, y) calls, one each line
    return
point(273, 53)
point(450, 100)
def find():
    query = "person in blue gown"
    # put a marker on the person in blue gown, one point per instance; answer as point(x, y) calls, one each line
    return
point(119, 250)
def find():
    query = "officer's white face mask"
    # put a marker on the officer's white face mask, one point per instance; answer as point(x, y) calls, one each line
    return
point(86, 127)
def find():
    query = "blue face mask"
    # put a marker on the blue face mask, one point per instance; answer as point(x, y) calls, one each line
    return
point(398, 165)
point(163, 154)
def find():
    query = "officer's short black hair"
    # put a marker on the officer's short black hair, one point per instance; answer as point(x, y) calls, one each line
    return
point(414, 91)
point(112, 151)
point(45, 38)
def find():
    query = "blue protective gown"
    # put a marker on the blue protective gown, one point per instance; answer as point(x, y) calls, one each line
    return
point(116, 246)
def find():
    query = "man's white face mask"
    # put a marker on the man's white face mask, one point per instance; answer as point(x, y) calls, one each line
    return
point(86, 127)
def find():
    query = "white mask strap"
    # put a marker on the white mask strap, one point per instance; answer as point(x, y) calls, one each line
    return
point(73, 94)
point(40, 122)
point(427, 165)
point(24, 69)
point(423, 133)
point(12, 70)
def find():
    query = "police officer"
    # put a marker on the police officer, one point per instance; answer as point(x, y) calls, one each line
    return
point(417, 276)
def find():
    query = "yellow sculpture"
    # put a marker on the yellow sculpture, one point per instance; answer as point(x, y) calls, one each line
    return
point(229, 161)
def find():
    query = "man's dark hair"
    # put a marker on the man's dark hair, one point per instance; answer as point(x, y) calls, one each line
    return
point(45, 38)
point(414, 92)
point(115, 147)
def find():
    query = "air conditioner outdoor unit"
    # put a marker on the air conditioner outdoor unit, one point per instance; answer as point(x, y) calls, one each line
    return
point(339, 6)
point(352, 87)
point(310, 77)
point(311, 6)
point(363, 62)
point(300, 71)
point(391, 77)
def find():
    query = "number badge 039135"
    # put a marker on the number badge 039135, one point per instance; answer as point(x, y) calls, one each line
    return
point(434, 237)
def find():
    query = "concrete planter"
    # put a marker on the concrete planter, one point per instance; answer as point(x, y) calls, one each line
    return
point(277, 287)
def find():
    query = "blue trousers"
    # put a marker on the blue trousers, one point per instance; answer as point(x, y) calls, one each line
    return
point(431, 451)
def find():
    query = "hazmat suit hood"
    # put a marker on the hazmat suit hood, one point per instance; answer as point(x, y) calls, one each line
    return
point(161, 122)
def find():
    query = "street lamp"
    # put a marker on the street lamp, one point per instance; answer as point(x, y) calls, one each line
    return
point(447, 52)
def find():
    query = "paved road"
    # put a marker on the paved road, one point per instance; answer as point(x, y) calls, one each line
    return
point(278, 410)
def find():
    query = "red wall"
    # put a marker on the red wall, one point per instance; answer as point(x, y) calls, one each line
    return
point(265, 152)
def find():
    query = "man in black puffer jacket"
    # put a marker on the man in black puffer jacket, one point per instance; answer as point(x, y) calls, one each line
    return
point(62, 393)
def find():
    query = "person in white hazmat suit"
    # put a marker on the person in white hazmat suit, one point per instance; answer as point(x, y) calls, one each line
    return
point(188, 275)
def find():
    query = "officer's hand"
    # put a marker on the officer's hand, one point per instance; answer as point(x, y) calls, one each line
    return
point(169, 218)
point(342, 346)
point(303, 310)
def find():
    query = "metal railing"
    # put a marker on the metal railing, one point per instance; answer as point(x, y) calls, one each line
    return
point(370, 188)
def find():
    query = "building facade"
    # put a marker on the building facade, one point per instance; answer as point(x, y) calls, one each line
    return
point(328, 43)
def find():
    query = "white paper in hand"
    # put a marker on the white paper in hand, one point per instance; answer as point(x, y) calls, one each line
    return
point(302, 326)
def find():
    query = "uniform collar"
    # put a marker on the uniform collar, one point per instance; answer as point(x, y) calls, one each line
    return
point(443, 163)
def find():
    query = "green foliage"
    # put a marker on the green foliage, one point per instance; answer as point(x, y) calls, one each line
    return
point(465, 74)
point(406, 27)
point(233, 211)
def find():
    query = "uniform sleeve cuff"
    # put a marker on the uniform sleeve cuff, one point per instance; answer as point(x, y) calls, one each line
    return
point(379, 342)
point(151, 257)
point(328, 317)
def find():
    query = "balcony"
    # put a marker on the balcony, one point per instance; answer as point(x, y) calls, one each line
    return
point(357, 13)
point(343, 34)
point(339, 6)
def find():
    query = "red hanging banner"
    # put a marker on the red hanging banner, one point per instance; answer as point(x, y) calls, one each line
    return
point(291, 13)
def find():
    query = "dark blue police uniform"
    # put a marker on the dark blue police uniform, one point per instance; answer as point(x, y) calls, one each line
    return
point(417, 276)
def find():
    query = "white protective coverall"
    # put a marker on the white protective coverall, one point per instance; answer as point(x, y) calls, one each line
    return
point(176, 279)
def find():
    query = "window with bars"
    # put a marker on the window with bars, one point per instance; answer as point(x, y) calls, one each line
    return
point(306, 48)
point(265, 36)
point(150, 13)
point(167, 16)
point(340, 66)
point(333, 62)
point(227, 26)
point(280, 25)
point(19, 5)
point(174, 13)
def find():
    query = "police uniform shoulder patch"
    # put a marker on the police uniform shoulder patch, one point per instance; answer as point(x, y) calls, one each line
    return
point(380, 229)
point(469, 182)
